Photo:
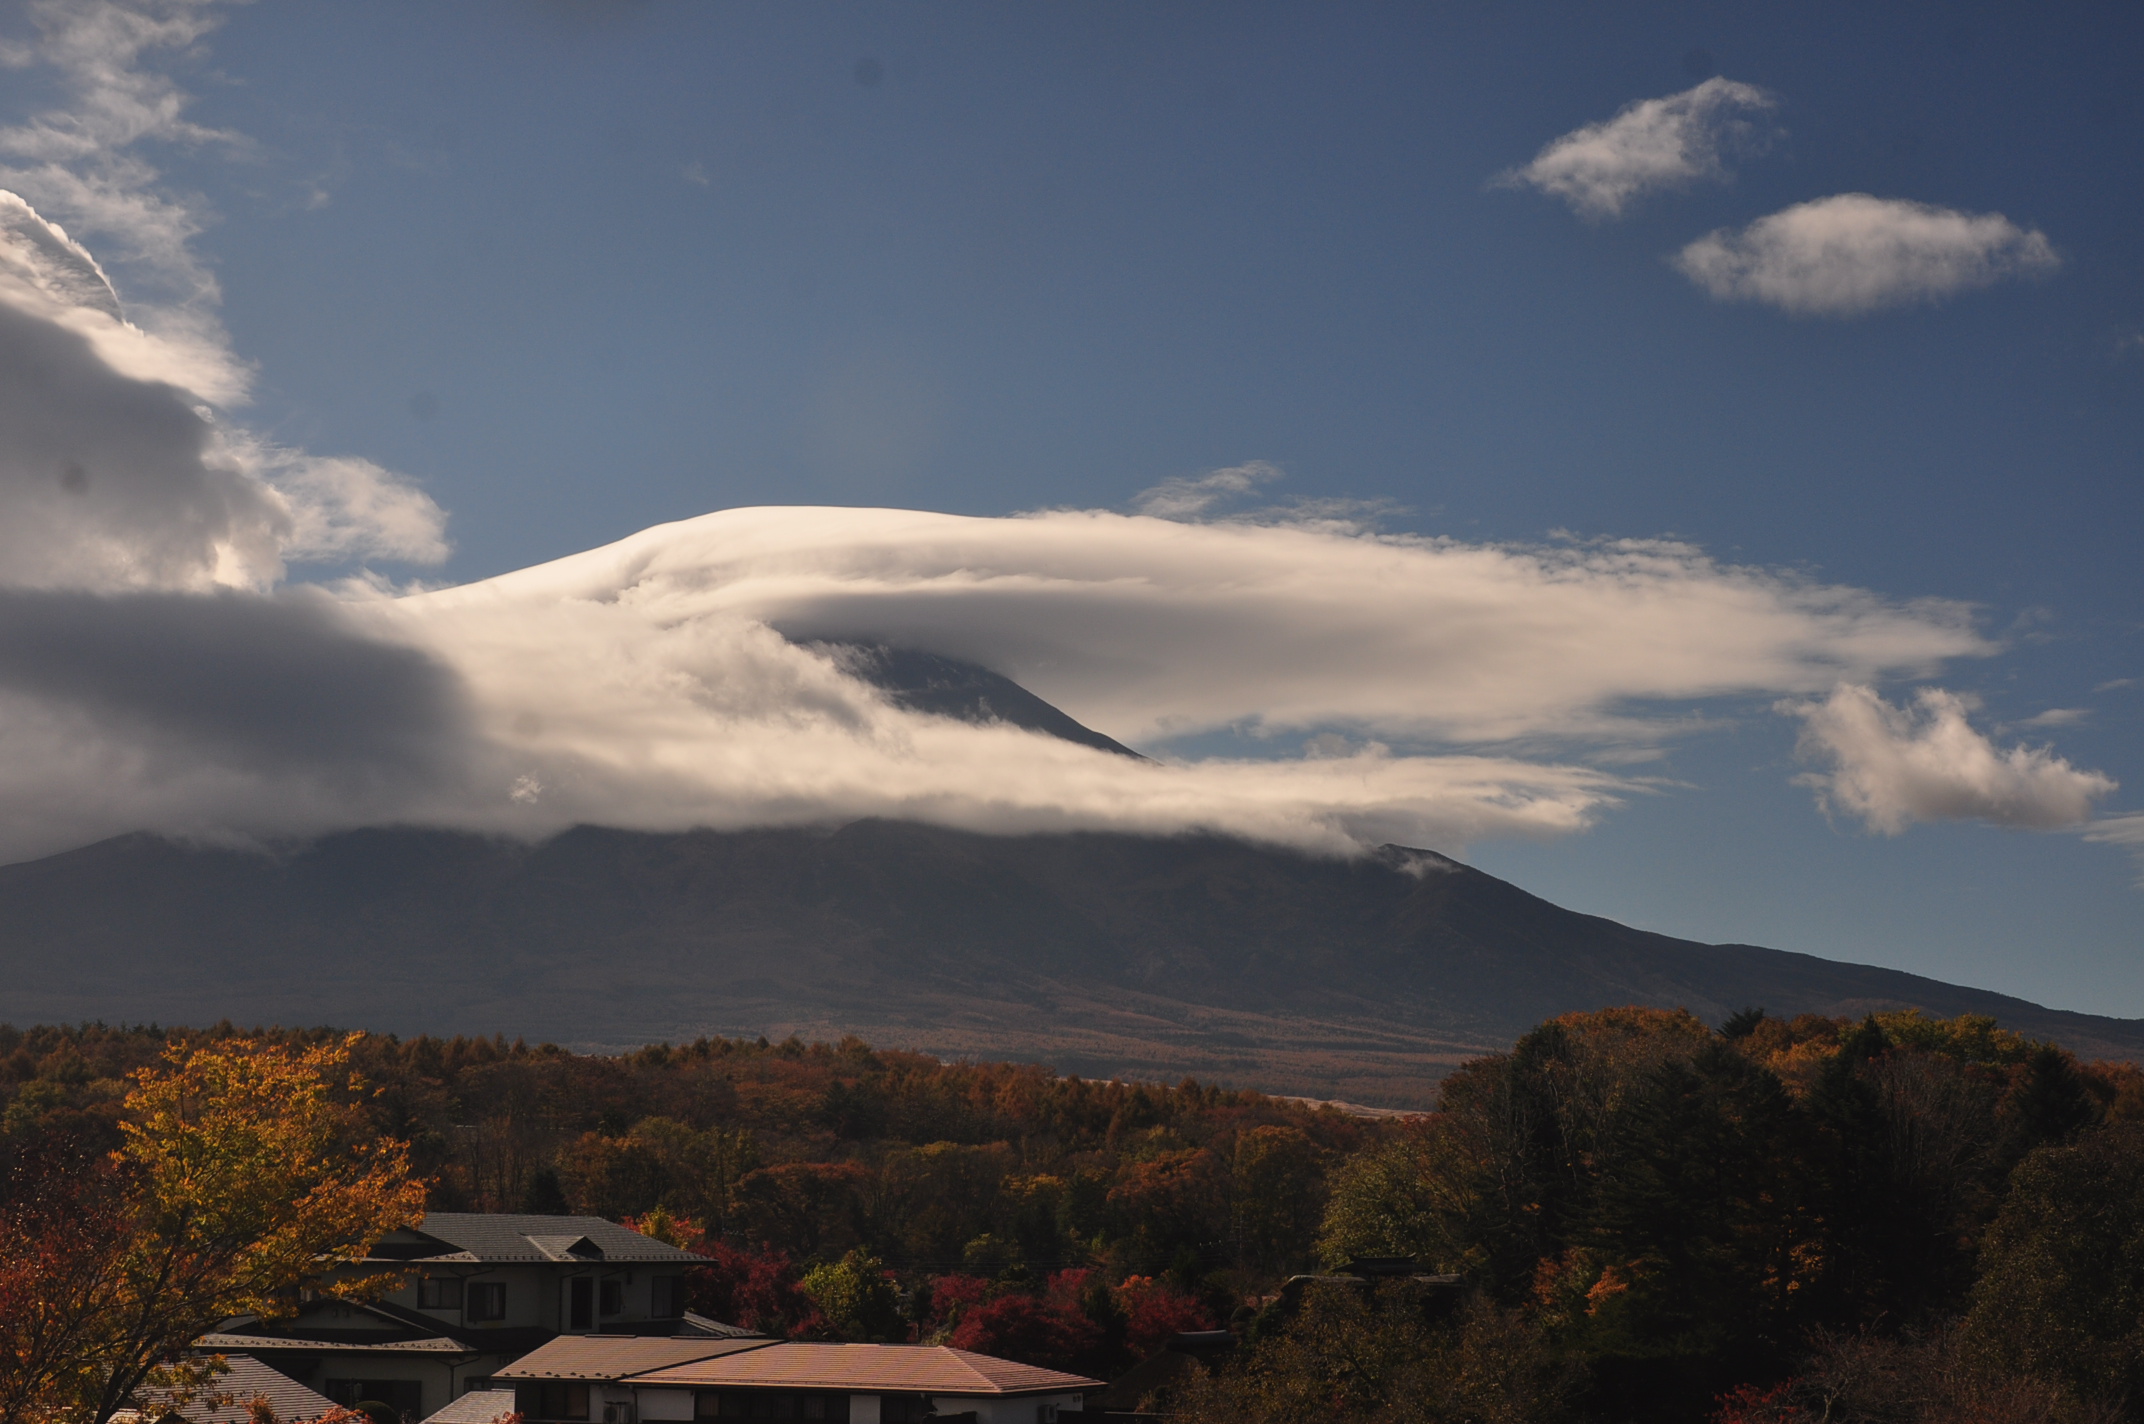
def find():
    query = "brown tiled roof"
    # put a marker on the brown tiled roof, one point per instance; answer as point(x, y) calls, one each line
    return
point(613, 1357)
point(868, 1369)
point(478, 1406)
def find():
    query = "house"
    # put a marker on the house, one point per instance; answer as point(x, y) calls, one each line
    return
point(228, 1398)
point(476, 1292)
point(582, 1377)
point(855, 1384)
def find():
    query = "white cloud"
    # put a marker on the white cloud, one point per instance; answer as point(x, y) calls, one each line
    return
point(1651, 145)
point(343, 508)
point(2058, 717)
point(116, 473)
point(1892, 765)
point(120, 466)
point(1853, 253)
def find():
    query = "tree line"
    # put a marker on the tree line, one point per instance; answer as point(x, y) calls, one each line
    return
point(1637, 1217)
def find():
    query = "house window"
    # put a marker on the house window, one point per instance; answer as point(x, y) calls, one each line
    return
point(439, 1293)
point(667, 1297)
point(561, 1401)
point(581, 1304)
point(487, 1300)
point(613, 1295)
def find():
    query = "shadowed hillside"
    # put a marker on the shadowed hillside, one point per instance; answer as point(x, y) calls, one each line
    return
point(1101, 954)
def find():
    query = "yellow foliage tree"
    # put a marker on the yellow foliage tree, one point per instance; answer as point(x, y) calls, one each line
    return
point(245, 1177)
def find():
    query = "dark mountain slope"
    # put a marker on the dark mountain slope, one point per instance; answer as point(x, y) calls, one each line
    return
point(1100, 953)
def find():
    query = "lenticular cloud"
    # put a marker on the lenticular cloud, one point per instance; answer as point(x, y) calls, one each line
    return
point(669, 680)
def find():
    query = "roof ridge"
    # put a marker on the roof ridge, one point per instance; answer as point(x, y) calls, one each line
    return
point(966, 1359)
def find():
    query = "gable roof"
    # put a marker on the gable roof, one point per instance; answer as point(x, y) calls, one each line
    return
point(614, 1357)
point(469, 1237)
point(888, 1369)
point(247, 1380)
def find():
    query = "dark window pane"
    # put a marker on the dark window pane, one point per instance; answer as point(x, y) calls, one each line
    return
point(440, 1293)
point(582, 1309)
point(668, 1297)
point(487, 1300)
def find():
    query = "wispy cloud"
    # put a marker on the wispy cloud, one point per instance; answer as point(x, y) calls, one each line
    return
point(2126, 831)
point(1218, 495)
point(1650, 146)
point(2058, 717)
point(82, 163)
point(1195, 496)
point(120, 464)
point(1894, 765)
point(1851, 254)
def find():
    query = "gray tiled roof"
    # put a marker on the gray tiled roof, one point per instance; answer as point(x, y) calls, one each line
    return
point(613, 1357)
point(514, 1236)
point(221, 1340)
point(478, 1406)
point(696, 1324)
point(247, 1380)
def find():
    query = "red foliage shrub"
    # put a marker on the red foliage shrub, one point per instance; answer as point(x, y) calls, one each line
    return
point(1750, 1404)
point(1156, 1312)
point(952, 1298)
point(1020, 1327)
point(755, 1289)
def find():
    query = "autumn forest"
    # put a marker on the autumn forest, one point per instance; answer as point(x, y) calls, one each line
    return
point(1899, 1218)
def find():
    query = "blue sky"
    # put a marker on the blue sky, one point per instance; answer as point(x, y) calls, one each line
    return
point(578, 269)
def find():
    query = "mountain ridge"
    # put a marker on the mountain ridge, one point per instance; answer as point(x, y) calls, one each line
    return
point(1102, 954)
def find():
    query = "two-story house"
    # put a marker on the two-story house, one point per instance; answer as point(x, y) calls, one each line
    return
point(476, 1292)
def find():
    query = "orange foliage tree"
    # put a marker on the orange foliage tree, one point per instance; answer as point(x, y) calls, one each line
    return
point(244, 1176)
